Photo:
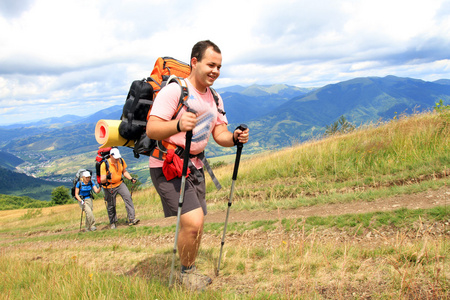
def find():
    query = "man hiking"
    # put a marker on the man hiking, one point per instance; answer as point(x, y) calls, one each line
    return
point(113, 184)
point(203, 118)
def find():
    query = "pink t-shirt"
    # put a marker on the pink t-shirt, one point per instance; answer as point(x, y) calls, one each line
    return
point(208, 117)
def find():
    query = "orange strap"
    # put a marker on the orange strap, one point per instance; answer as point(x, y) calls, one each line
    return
point(161, 148)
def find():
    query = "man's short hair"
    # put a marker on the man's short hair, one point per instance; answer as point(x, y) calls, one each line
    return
point(198, 51)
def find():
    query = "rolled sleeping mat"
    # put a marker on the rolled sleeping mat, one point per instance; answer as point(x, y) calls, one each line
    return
point(107, 134)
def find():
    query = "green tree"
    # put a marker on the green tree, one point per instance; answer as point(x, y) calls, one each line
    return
point(60, 195)
point(340, 126)
point(440, 106)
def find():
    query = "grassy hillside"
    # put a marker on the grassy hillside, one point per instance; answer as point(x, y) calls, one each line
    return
point(388, 253)
point(278, 115)
point(8, 202)
point(19, 184)
point(9, 161)
point(370, 162)
point(360, 100)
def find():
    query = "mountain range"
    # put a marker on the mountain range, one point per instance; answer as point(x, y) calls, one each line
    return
point(277, 115)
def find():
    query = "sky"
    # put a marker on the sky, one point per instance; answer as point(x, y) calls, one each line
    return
point(61, 57)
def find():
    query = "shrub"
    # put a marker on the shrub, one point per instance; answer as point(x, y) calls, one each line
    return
point(60, 195)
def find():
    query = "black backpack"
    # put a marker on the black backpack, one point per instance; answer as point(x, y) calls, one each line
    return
point(135, 110)
point(77, 179)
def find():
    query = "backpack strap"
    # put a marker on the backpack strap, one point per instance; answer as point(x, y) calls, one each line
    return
point(161, 148)
point(107, 171)
point(156, 82)
point(91, 193)
point(182, 101)
point(216, 99)
point(79, 185)
point(208, 168)
point(185, 95)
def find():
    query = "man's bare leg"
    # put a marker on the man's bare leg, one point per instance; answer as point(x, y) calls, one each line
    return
point(190, 236)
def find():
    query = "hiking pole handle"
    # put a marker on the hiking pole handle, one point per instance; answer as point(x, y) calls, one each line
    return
point(241, 127)
point(238, 152)
point(186, 151)
point(187, 147)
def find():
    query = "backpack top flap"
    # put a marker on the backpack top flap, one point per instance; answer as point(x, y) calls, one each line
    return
point(102, 155)
point(166, 66)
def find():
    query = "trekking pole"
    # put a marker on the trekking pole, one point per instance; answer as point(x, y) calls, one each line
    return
point(81, 219)
point(236, 167)
point(133, 187)
point(180, 201)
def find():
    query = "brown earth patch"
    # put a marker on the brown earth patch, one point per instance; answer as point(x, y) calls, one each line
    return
point(422, 200)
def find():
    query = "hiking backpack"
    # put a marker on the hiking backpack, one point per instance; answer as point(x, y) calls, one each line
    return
point(78, 179)
point(102, 157)
point(140, 100)
point(141, 95)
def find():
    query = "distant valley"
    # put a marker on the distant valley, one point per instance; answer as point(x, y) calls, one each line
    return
point(278, 116)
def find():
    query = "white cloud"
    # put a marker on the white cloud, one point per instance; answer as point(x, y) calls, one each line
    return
point(58, 54)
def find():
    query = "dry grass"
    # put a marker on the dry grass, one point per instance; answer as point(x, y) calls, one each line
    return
point(391, 255)
point(284, 262)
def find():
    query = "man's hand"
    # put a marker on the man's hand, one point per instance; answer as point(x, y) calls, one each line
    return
point(133, 180)
point(241, 134)
point(187, 121)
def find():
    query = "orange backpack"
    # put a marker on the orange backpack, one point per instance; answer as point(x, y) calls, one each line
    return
point(138, 104)
point(169, 69)
point(163, 69)
point(140, 100)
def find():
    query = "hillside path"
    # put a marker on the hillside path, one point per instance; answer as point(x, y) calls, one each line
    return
point(422, 200)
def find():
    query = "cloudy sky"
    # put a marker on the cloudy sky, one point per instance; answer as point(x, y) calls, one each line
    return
point(62, 57)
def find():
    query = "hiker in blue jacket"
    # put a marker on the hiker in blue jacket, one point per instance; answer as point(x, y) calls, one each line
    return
point(83, 193)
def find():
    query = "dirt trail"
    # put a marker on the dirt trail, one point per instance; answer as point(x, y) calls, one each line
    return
point(422, 200)
point(154, 265)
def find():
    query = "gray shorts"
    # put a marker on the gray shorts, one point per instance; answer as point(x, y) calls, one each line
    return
point(169, 191)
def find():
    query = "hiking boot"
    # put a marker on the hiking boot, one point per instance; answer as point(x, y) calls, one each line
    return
point(113, 226)
point(193, 280)
point(93, 228)
point(133, 222)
